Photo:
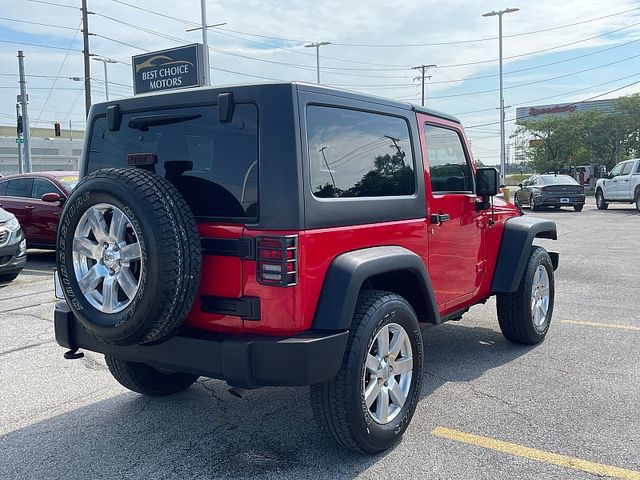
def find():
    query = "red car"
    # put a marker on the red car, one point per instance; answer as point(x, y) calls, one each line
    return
point(289, 234)
point(36, 199)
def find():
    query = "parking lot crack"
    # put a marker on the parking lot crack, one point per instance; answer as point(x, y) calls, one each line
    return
point(512, 407)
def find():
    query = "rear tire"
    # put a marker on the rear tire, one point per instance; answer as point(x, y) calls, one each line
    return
point(8, 277)
point(144, 379)
point(342, 406)
point(525, 315)
point(578, 208)
point(637, 200)
point(600, 202)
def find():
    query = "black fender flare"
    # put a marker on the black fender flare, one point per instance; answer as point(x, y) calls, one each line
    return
point(517, 239)
point(348, 272)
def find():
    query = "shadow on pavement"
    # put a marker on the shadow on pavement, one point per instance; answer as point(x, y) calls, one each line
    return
point(207, 433)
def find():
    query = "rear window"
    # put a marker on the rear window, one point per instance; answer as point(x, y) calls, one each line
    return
point(20, 187)
point(558, 180)
point(213, 164)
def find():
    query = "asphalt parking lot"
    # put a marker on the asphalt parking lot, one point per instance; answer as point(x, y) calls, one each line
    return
point(568, 408)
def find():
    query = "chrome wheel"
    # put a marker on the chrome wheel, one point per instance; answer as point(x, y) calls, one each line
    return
point(540, 295)
point(107, 258)
point(387, 375)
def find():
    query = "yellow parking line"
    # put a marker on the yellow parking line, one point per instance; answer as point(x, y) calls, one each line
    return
point(535, 454)
point(600, 324)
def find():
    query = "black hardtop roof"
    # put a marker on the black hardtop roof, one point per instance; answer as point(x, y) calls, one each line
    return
point(310, 87)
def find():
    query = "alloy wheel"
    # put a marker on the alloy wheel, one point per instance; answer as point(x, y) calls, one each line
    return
point(107, 258)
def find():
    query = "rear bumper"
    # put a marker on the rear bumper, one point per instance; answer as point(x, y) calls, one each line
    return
point(571, 200)
point(247, 361)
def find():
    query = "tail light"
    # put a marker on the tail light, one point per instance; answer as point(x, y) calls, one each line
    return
point(277, 260)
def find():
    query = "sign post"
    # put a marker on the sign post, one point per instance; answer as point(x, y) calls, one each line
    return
point(175, 68)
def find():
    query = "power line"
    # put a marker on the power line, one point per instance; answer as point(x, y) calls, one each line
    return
point(64, 60)
point(457, 42)
point(573, 103)
point(36, 23)
point(55, 4)
point(534, 82)
point(39, 45)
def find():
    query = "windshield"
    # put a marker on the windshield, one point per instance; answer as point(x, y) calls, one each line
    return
point(213, 164)
point(68, 182)
point(558, 179)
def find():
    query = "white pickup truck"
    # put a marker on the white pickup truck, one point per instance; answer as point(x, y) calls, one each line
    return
point(621, 185)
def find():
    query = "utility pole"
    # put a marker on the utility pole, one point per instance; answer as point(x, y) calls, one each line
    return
point(19, 135)
point(85, 51)
point(25, 113)
point(499, 14)
point(317, 46)
point(423, 70)
point(205, 40)
point(70, 132)
point(104, 61)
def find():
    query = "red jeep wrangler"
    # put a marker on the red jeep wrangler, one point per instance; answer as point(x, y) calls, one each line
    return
point(289, 234)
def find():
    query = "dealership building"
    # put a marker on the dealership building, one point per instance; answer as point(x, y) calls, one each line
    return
point(537, 112)
point(48, 152)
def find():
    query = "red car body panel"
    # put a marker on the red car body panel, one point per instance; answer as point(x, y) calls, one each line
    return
point(460, 256)
point(39, 219)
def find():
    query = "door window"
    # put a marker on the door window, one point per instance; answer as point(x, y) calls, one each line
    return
point(448, 164)
point(3, 188)
point(616, 170)
point(626, 169)
point(42, 186)
point(20, 187)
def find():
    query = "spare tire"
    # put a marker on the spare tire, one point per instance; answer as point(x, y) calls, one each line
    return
point(128, 256)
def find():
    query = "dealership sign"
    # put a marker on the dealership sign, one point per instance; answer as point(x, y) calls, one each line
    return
point(180, 67)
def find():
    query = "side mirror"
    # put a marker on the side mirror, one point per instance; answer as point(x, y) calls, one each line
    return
point(610, 176)
point(486, 182)
point(520, 185)
point(53, 198)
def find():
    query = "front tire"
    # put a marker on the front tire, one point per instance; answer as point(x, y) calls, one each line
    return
point(637, 200)
point(525, 315)
point(600, 202)
point(370, 403)
point(578, 208)
point(144, 379)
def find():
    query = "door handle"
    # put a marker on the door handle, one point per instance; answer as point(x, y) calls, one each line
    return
point(29, 207)
point(439, 218)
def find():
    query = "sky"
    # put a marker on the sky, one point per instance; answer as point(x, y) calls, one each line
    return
point(553, 51)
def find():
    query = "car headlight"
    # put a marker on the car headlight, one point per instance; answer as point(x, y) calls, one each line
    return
point(22, 248)
point(12, 224)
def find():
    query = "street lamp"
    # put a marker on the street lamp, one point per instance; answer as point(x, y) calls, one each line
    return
point(104, 61)
point(317, 46)
point(499, 13)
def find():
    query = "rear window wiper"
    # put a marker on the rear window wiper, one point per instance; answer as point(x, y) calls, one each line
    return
point(144, 122)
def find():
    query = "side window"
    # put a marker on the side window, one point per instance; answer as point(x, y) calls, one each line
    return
point(20, 187)
point(3, 188)
point(42, 186)
point(626, 169)
point(637, 171)
point(359, 154)
point(616, 170)
point(448, 163)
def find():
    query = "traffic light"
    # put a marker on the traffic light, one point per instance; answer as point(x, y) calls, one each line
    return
point(56, 128)
point(19, 128)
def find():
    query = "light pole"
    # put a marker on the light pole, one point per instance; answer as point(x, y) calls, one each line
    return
point(499, 13)
point(205, 40)
point(317, 46)
point(104, 61)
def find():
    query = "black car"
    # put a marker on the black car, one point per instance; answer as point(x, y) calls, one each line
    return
point(13, 247)
point(550, 190)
